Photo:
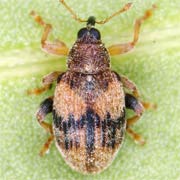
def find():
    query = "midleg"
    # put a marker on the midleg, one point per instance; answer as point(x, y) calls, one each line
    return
point(47, 83)
point(59, 47)
point(123, 48)
point(130, 85)
point(45, 107)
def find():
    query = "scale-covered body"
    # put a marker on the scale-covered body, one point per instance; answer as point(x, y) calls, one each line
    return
point(89, 122)
point(89, 101)
point(89, 108)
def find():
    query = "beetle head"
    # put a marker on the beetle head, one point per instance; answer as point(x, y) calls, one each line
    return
point(89, 30)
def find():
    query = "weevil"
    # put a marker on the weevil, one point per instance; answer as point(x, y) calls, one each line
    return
point(89, 102)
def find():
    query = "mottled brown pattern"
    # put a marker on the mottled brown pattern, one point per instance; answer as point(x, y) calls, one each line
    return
point(76, 91)
point(74, 95)
point(110, 101)
point(67, 101)
point(78, 159)
point(89, 101)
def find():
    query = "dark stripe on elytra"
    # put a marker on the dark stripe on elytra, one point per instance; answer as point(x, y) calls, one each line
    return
point(109, 127)
point(97, 121)
point(57, 120)
point(103, 133)
point(72, 129)
point(111, 131)
point(77, 140)
point(65, 130)
point(116, 124)
point(111, 134)
point(68, 126)
point(90, 121)
point(121, 120)
point(82, 121)
point(90, 130)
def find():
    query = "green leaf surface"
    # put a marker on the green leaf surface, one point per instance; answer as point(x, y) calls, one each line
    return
point(154, 65)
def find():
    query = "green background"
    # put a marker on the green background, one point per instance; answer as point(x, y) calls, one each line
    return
point(154, 65)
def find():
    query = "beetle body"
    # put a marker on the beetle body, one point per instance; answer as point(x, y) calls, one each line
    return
point(89, 101)
point(88, 109)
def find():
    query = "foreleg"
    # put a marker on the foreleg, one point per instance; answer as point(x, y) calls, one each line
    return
point(57, 47)
point(123, 48)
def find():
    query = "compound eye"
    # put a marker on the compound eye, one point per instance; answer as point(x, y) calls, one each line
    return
point(95, 33)
point(82, 32)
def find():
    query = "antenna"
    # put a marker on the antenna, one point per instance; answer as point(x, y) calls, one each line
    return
point(125, 8)
point(72, 12)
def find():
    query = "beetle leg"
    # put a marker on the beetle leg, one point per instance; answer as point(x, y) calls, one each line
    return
point(123, 48)
point(45, 107)
point(49, 78)
point(148, 105)
point(46, 145)
point(58, 47)
point(138, 107)
point(132, 103)
point(137, 138)
point(130, 85)
point(38, 91)
point(47, 83)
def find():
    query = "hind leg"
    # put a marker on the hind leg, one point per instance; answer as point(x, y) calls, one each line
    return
point(138, 107)
point(45, 107)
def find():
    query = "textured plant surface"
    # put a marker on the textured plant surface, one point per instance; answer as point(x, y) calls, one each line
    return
point(154, 65)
